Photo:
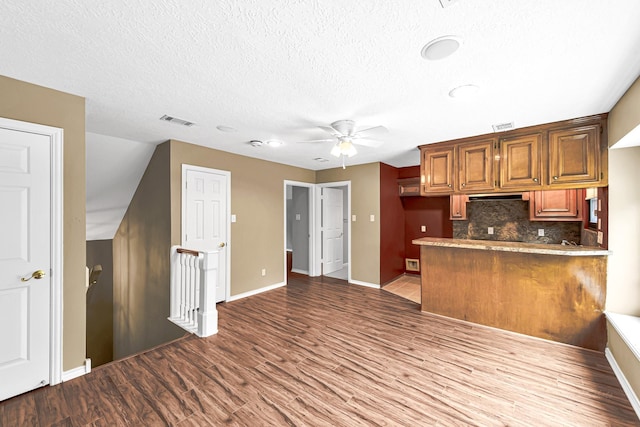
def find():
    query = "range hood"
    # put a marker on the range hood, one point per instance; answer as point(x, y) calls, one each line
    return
point(495, 196)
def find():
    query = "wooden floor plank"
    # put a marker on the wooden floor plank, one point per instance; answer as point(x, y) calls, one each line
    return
point(320, 352)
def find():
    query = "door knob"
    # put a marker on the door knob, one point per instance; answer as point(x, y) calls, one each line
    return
point(221, 245)
point(38, 274)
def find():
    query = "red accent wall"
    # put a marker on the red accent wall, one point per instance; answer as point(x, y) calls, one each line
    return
point(409, 172)
point(392, 242)
point(430, 211)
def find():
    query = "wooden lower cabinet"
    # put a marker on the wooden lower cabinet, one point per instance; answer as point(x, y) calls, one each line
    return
point(556, 205)
point(534, 294)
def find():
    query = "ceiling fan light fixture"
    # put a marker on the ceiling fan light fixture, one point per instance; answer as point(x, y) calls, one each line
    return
point(344, 147)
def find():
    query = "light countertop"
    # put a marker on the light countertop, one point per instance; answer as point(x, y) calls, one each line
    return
point(532, 248)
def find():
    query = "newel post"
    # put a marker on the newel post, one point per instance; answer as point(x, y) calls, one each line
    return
point(208, 314)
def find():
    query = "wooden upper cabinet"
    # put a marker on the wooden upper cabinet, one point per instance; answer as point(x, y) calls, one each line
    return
point(437, 170)
point(574, 156)
point(520, 161)
point(458, 207)
point(560, 155)
point(409, 187)
point(476, 166)
point(556, 205)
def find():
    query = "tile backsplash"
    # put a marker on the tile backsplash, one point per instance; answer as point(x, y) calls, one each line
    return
point(510, 222)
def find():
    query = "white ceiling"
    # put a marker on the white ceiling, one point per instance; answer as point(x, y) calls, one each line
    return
point(277, 69)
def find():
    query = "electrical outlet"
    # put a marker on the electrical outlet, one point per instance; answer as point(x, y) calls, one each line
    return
point(423, 228)
point(540, 232)
point(264, 271)
point(490, 230)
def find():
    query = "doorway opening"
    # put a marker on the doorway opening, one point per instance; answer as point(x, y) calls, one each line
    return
point(317, 237)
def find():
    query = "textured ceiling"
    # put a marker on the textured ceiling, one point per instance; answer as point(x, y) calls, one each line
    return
point(276, 69)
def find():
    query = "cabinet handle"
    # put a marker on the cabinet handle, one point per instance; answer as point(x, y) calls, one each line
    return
point(449, 185)
point(535, 179)
point(539, 211)
point(464, 185)
point(555, 178)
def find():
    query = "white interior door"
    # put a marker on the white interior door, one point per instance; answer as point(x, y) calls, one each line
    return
point(332, 230)
point(205, 217)
point(25, 261)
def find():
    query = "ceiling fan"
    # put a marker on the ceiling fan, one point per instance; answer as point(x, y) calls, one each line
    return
point(345, 136)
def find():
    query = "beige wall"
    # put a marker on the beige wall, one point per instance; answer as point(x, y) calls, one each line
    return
point(36, 104)
point(365, 201)
point(141, 264)
point(623, 281)
point(257, 200)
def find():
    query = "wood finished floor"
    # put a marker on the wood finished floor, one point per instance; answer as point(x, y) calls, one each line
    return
point(331, 354)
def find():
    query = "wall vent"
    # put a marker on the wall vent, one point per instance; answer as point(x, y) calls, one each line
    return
point(176, 121)
point(411, 264)
point(501, 127)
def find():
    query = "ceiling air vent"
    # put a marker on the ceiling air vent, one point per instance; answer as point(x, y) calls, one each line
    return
point(176, 121)
point(501, 127)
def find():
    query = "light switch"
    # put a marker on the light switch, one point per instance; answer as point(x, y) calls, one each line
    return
point(423, 228)
point(233, 218)
point(353, 218)
point(541, 232)
point(490, 230)
point(372, 217)
point(297, 217)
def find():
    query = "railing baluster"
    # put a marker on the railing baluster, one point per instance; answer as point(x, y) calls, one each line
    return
point(193, 284)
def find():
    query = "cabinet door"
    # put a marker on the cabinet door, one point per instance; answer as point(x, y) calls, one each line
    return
point(520, 161)
point(574, 155)
point(458, 206)
point(409, 187)
point(556, 205)
point(475, 166)
point(437, 170)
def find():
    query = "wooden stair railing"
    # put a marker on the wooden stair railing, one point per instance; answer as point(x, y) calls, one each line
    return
point(193, 290)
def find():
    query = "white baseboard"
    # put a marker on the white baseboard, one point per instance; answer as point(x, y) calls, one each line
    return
point(77, 372)
point(368, 285)
point(296, 270)
point(255, 292)
point(633, 399)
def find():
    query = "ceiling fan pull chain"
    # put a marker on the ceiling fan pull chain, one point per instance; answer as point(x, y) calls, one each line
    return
point(343, 166)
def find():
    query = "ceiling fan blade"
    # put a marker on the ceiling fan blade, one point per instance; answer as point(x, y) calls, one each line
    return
point(367, 142)
point(375, 130)
point(319, 140)
point(330, 130)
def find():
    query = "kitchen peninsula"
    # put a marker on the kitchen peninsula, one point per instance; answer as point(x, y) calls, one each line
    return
point(548, 291)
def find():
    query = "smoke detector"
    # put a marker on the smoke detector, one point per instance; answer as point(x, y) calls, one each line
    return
point(256, 143)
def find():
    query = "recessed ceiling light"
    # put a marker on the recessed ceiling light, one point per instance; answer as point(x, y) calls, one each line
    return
point(223, 128)
point(256, 143)
point(464, 91)
point(441, 48)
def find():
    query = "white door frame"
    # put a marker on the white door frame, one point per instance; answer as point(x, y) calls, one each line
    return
point(312, 219)
point(56, 137)
point(183, 216)
point(317, 228)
